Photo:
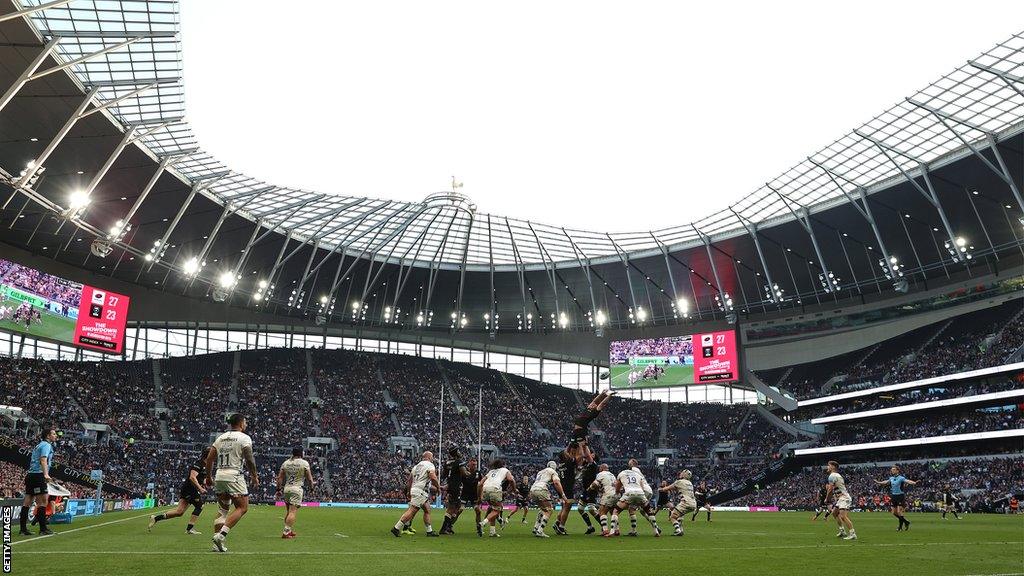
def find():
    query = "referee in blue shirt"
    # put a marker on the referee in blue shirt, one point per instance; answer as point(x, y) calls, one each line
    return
point(896, 482)
point(36, 482)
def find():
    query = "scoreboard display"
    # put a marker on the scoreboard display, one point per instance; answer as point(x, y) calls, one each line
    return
point(703, 358)
point(52, 308)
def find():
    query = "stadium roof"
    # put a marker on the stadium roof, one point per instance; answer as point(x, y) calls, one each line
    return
point(129, 52)
point(91, 94)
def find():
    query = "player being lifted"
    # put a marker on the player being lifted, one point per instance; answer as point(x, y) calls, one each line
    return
point(608, 497)
point(630, 484)
point(293, 474)
point(455, 471)
point(836, 489)
point(421, 479)
point(541, 494)
point(687, 503)
point(898, 500)
point(581, 423)
point(231, 450)
point(489, 490)
point(703, 496)
point(948, 501)
point(190, 494)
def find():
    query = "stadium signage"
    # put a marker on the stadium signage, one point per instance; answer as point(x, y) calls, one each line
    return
point(57, 309)
point(708, 357)
point(11, 452)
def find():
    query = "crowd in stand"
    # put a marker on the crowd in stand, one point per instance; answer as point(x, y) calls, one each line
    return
point(921, 426)
point(46, 285)
point(360, 400)
point(971, 341)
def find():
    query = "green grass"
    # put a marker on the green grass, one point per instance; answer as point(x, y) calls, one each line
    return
point(53, 327)
point(344, 541)
point(674, 376)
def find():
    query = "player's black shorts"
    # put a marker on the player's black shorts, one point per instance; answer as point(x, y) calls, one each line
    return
point(469, 501)
point(587, 497)
point(190, 495)
point(35, 484)
point(898, 500)
point(522, 502)
point(585, 418)
point(454, 498)
point(701, 502)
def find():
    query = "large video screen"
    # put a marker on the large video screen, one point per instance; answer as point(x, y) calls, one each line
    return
point(52, 308)
point(705, 358)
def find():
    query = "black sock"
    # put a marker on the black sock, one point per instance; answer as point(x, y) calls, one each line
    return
point(41, 516)
point(586, 519)
point(159, 517)
point(189, 527)
point(24, 518)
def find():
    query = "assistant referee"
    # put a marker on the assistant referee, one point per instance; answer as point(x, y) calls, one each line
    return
point(36, 482)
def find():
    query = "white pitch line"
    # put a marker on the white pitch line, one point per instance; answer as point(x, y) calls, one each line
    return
point(38, 538)
point(472, 552)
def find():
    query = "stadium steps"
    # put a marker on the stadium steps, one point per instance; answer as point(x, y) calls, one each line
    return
point(236, 361)
point(460, 406)
point(67, 390)
point(520, 399)
point(311, 391)
point(782, 399)
point(663, 428)
point(781, 424)
point(158, 386)
point(158, 403)
point(783, 377)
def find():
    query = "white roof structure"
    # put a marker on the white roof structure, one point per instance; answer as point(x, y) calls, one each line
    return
point(140, 72)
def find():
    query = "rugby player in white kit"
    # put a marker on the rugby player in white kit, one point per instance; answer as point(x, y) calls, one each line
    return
point(604, 485)
point(542, 496)
point(231, 450)
point(631, 484)
point(836, 488)
point(687, 501)
point(422, 478)
point(489, 491)
point(294, 473)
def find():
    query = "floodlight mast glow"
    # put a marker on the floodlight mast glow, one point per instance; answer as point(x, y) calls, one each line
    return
point(959, 249)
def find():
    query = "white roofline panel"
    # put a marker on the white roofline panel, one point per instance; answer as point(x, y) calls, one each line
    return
point(977, 94)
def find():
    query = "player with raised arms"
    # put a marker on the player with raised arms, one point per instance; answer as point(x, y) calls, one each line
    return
point(898, 499)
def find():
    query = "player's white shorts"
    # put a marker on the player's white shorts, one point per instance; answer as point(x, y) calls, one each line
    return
point(685, 506)
point(231, 486)
point(610, 500)
point(418, 498)
point(634, 499)
point(540, 494)
point(492, 496)
point(844, 502)
point(293, 495)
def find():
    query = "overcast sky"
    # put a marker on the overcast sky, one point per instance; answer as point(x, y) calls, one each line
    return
point(588, 114)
